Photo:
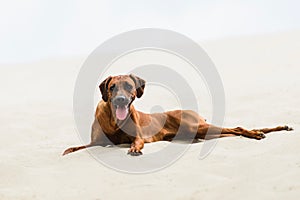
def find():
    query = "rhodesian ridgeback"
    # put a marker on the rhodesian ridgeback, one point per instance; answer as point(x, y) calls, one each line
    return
point(117, 121)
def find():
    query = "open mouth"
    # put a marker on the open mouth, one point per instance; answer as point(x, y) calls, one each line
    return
point(121, 111)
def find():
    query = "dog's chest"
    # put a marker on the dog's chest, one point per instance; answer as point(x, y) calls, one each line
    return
point(120, 137)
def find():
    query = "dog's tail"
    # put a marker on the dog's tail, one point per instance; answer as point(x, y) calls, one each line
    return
point(73, 149)
point(278, 128)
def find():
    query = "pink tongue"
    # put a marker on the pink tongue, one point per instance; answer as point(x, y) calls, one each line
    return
point(121, 112)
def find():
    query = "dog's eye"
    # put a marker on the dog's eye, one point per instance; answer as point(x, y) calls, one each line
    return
point(112, 87)
point(128, 87)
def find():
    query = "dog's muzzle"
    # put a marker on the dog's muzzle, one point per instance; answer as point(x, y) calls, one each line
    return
point(121, 105)
point(120, 101)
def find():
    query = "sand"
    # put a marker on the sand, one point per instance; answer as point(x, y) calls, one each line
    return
point(260, 77)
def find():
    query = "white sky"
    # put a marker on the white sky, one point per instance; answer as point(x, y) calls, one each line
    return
point(38, 29)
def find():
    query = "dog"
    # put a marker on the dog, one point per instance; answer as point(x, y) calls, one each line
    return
point(117, 121)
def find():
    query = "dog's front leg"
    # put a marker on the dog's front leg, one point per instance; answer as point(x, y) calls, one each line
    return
point(138, 142)
point(136, 147)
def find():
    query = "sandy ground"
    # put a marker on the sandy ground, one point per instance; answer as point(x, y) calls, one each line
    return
point(260, 75)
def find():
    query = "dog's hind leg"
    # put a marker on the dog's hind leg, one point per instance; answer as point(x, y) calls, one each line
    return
point(208, 131)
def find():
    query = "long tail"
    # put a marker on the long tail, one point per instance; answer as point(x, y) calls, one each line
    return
point(278, 128)
point(73, 149)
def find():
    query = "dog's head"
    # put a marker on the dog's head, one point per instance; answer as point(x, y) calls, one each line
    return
point(120, 92)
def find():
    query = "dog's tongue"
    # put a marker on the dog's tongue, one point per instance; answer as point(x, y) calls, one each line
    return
point(121, 112)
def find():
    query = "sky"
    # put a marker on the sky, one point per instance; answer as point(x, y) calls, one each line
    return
point(34, 30)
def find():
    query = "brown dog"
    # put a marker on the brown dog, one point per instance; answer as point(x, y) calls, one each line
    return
point(117, 120)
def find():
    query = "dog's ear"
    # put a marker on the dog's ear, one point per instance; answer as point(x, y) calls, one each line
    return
point(139, 85)
point(104, 88)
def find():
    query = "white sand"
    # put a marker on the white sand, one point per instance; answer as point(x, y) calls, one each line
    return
point(261, 79)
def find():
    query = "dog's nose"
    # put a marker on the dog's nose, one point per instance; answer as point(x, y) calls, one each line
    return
point(120, 100)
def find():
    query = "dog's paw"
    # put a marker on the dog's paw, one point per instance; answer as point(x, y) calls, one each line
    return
point(259, 135)
point(69, 150)
point(287, 128)
point(133, 153)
